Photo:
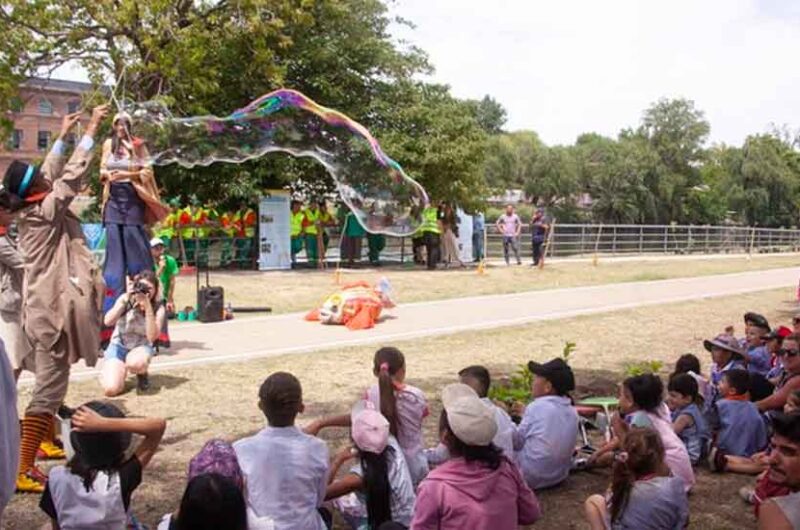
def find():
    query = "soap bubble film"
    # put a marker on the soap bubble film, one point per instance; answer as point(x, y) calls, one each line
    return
point(373, 186)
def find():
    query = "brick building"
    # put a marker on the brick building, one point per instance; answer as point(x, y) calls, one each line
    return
point(37, 115)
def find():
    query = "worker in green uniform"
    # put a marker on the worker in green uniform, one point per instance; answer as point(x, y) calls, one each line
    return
point(431, 230)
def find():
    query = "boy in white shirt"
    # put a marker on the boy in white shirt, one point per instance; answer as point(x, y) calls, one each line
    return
point(286, 470)
point(545, 439)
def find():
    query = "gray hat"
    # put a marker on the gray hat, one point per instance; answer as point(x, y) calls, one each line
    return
point(725, 342)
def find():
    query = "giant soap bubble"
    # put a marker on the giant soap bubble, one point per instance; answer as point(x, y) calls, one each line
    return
point(373, 186)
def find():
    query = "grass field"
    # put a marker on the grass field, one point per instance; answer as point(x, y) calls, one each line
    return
point(302, 290)
point(220, 400)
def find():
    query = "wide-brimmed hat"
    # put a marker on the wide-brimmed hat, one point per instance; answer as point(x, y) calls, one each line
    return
point(725, 342)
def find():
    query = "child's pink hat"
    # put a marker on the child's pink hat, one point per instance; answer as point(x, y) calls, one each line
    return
point(369, 429)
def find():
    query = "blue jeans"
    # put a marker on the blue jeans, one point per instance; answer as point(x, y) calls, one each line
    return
point(511, 241)
point(477, 245)
point(116, 350)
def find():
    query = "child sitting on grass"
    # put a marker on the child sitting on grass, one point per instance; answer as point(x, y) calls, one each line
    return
point(688, 363)
point(378, 488)
point(642, 494)
point(94, 489)
point(478, 378)
point(641, 405)
point(545, 439)
point(739, 428)
point(403, 405)
point(478, 487)
point(210, 502)
point(286, 470)
point(688, 422)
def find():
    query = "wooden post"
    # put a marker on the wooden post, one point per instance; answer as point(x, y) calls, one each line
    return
point(547, 242)
point(597, 244)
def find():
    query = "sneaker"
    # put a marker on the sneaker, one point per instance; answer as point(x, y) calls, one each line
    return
point(142, 383)
point(33, 481)
point(747, 494)
point(50, 450)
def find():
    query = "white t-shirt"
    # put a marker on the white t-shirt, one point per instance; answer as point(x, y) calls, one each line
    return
point(286, 472)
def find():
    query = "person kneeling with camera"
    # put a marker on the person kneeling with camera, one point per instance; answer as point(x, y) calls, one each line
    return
point(137, 318)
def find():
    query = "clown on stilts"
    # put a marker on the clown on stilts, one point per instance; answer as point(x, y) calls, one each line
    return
point(130, 203)
point(63, 291)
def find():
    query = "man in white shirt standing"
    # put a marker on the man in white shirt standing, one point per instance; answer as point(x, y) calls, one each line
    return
point(545, 439)
point(286, 470)
point(510, 225)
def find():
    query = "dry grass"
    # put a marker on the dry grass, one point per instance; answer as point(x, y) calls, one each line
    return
point(220, 401)
point(301, 290)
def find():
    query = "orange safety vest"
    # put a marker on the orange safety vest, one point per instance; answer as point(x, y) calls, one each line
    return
point(249, 220)
point(228, 228)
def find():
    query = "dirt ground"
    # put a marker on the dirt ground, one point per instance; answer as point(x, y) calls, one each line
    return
point(304, 289)
point(220, 400)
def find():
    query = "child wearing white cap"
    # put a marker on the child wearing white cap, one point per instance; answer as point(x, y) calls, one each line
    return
point(478, 487)
point(378, 488)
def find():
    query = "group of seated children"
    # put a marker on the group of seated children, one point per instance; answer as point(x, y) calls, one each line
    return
point(481, 474)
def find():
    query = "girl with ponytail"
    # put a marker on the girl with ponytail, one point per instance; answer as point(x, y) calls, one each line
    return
point(642, 494)
point(404, 407)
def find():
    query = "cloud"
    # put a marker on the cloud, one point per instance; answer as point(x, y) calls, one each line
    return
point(563, 68)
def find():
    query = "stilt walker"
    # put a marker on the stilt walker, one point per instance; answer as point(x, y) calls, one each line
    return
point(63, 295)
point(130, 203)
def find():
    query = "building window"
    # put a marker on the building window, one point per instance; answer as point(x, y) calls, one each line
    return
point(70, 140)
point(15, 142)
point(73, 106)
point(43, 140)
point(45, 107)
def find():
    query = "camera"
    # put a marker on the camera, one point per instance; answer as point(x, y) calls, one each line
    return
point(139, 287)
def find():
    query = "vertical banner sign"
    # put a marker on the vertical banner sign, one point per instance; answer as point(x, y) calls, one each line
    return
point(274, 231)
point(95, 236)
point(464, 236)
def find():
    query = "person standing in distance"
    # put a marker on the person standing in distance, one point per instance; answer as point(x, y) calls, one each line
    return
point(167, 269)
point(540, 226)
point(510, 225)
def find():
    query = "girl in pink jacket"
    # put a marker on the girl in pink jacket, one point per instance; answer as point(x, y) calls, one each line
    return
point(478, 487)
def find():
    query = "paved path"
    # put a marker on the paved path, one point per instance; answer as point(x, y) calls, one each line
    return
point(249, 338)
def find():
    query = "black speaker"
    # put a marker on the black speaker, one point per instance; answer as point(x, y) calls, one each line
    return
point(210, 304)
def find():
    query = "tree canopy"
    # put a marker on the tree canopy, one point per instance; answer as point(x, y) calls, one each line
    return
point(214, 56)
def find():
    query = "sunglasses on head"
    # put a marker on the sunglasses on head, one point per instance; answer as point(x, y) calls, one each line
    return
point(788, 353)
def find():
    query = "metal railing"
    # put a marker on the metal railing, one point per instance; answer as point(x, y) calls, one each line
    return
point(576, 240)
point(566, 240)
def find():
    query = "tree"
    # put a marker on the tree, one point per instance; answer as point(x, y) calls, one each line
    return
point(677, 131)
point(768, 192)
point(212, 57)
point(510, 159)
point(490, 114)
point(554, 176)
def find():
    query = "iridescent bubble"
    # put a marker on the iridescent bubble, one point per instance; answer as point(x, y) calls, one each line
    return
point(373, 186)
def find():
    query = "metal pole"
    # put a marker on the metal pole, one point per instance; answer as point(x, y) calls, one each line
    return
point(641, 238)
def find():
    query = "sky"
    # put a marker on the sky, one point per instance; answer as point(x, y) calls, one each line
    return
point(565, 67)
